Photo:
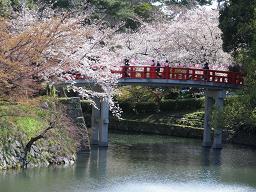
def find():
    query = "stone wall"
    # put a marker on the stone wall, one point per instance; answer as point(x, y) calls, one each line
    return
point(151, 128)
point(75, 112)
point(244, 138)
point(41, 154)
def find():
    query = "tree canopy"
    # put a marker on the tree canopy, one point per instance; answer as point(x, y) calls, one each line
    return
point(238, 24)
point(237, 21)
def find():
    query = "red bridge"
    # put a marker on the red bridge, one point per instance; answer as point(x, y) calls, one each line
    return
point(180, 76)
point(175, 76)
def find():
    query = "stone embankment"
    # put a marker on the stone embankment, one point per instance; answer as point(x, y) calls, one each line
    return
point(19, 123)
point(41, 154)
point(74, 111)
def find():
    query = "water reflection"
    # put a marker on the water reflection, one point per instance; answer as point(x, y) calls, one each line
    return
point(211, 157)
point(102, 162)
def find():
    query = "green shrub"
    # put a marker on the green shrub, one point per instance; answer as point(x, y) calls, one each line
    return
point(168, 105)
point(164, 106)
point(172, 95)
point(146, 107)
point(143, 10)
point(5, 7)
point(181, 105)
point(127, 107)
point(238, 116)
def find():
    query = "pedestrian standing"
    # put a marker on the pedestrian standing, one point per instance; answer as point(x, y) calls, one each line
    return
point(206, 71)
point(153, 64)
point(166, 72)
point(158, 68)
point(126, 67)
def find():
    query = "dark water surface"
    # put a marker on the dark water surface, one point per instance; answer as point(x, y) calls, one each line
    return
point(144, 163)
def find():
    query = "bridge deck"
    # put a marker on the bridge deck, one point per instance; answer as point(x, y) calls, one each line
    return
point(173, 76)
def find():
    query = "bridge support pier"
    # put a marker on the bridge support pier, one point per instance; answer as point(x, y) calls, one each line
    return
point(100, 121)
point(219, 102)
point(104, 121)
point(209, 101)
point(211, 96)
point(95, 122)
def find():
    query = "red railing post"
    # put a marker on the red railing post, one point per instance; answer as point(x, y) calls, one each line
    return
point(144, 75)
point(132, 72)
point(125, 71)
point(147, 72)
point(167, 72)
point(213, 76)
point(206, 74)
point(183, 74)
point(152, 72)
point(187, 74)
point(230, 78)
point(173, 73)
point(236, 78)
point(193, 74)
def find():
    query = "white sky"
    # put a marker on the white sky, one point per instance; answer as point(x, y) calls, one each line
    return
point(169, 12)
point(213, 6)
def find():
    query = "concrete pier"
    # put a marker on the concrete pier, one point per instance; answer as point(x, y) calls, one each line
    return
point(104, 121)
point(95, 122)
point(211, 96)
point(100, 121)
point(217, 143)
point(209, 101)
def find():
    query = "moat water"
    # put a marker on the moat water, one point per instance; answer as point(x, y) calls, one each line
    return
point(144, 163)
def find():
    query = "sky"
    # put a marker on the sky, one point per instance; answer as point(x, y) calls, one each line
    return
point(165, 9)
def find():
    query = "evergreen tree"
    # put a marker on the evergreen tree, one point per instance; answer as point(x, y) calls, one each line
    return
point(238, 23)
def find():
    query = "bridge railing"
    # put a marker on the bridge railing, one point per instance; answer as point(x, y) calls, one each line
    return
point(177, 73)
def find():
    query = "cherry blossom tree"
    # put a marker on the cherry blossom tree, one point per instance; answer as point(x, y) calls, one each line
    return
point(190, 40)
point(66, 46)
point(85, 53)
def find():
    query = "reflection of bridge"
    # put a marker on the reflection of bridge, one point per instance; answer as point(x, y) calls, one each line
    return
point(214, 83)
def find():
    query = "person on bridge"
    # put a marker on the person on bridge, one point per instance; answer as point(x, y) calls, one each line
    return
point(153, 64)
point(152, 73)
point(166, 64)
point(206, 72)
point(126, 67)
point(158, 68)
point(166, 72)
point(206, 66)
